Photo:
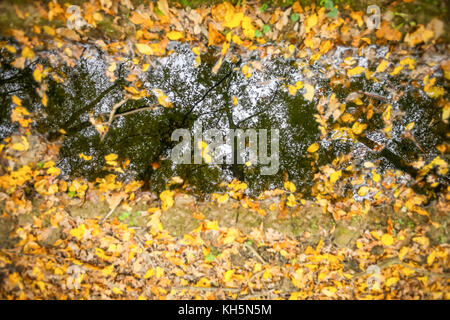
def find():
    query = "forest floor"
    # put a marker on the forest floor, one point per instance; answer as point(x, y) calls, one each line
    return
point(110, 240)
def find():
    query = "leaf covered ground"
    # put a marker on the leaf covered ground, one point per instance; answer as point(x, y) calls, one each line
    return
point(70, 238)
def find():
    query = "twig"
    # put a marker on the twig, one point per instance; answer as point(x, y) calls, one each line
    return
point(395, 260)
point(208, 289)
point(255, 253)
point(256, 275)
point(111, 117)
point(256, 295)
point(111, 211)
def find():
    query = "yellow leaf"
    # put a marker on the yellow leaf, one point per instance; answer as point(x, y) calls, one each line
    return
point(223, 199)
point(291, 201)
point(431, 257)
point(117, 290)
point(418, 36)
point(313, 148)
point(235, 101)
point(16, 100)
point(162, 98)
point(309, 94)
point(358, 127)
point(299, 85)
point(363, 191)
point(387, 239)
point(311, 21)
point(289, 186)
point(387, 113)
point(203, 282)
point(132, 90)
point(175, 35)
point(150, 272)
point(167, 199)
point(10, 48)
point(391, 281)
point(108, 270)
point(355, 71)
point(382, 66)
point(410, 125)
point(408, 62)
point(212, 225)
point(21, 146)
point(53, 188)
point(403, 252)
point(247, 28)
point(44, 100)
point(111, 157)
point(27, 53)
point(233, 20)
point(214, 36)
point(97, 16)
point(422, 240)
point(376, 177)
point(228, 275)
point(329, 291)
point(159, 272)
point(78, 232)
point(335, 176)
point(434, 92)
point(37, 73)
point(53, 171)
point(84, 157)
point(396, 70)
point(144, 48)
point(292, 90)
point(164, 7)
point(112, 67)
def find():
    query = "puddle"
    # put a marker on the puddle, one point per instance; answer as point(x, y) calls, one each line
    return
point(228, 100)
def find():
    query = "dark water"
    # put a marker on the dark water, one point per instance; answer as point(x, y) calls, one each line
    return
point(198, 95)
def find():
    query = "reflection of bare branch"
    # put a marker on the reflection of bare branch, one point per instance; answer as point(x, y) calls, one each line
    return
point(126, 113)
point(212, 88)
point(93, 103)
point(111, 117)
point(269, 105)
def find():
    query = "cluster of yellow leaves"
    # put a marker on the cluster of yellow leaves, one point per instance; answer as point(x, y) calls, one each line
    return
point(108, 183)
point(441, 164)
point(293, 88)
point(18, 113)
point(232, 17)
point(220, 198)
point(78, 187)
point(431, 90)
point(422, 34)
point(10, 182)
point(236, 188)
point(166, 199)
